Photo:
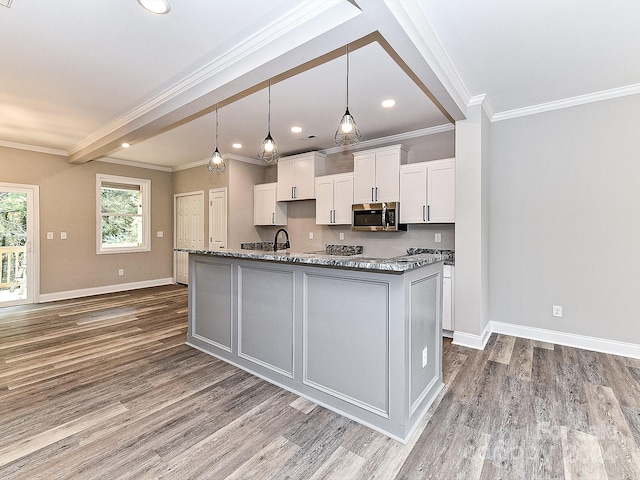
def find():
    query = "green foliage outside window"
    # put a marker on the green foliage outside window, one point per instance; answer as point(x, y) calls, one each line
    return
point(13, 219)
point(13, 230)
point(121, 209)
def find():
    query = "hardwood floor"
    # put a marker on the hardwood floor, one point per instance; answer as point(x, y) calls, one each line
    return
point(104, 387)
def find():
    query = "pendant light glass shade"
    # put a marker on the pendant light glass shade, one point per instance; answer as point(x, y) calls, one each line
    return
point(216, 162)
point(347, 132)
point(268, 152)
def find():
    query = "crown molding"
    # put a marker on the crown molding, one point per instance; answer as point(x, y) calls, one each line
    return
point(568, 102)
point(484, 102)
point(130, 163)
point(225, 156)
point(400, 137)
point(415, 22)
point(33, 148)
point(305, 12)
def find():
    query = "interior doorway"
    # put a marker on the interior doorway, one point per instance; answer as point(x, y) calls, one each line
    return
point(189, 230)
point(19, 244)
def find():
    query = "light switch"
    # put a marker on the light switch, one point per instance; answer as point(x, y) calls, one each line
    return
point(63, 235)
point(438, 237)
point(160, 234)
point(49, 235)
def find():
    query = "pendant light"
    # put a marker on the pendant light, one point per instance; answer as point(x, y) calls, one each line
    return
point(216, 162)
point(347, 132)
point(268, 152)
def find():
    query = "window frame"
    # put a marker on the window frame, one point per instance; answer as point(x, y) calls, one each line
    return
point(145, 189)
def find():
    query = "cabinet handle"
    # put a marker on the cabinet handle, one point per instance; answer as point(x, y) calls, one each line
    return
point(424, 213)
point(372, 197)
point(273, 218)
point(334, 216)
point(295, 192)
point(376, 194)
point(428, 213)
point(292, 194)
point(330, 215)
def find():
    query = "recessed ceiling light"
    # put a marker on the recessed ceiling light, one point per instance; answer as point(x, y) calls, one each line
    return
point(125, 145)
point(296, 129)
point(237, 145)
point(156, 6)
point(388, 103)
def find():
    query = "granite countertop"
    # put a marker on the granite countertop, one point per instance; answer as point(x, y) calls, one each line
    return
point(399, 264)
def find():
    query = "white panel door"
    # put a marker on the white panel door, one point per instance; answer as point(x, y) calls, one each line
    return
point(217, 218)
point(387, 176)
point(189, 229)
point(324, 200)
point(413, 193)
point(364, 181)
point(441, 192)
point(342, 199)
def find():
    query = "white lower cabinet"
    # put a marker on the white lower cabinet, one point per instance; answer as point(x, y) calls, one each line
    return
point(266, 210)
point(334, 197)
point(448, 323)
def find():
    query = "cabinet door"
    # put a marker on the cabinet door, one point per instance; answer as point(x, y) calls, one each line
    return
point(305, 178)
point(261, 201)
point(447, 319)
point(266, 210)
point(441, 192)
point(286, 179)
point(324, 200)
point(342, 200)
point(387, 176)
point(413, 194)
point(364, 178)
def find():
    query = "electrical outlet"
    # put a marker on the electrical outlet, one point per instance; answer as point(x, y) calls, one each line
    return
point(310, 235)
point(49, 235)
point(425, 357)
point(341, 235)
point(557, 310)
point(438, 237)
point(121, 271)
point(63, 235)
point(160, 234)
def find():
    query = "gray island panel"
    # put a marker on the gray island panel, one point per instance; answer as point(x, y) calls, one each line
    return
point(347, 335)
point(265, 317)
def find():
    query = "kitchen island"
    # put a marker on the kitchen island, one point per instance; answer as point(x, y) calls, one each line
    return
point(358, 335)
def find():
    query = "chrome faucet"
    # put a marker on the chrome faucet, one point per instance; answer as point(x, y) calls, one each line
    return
point(275, 240)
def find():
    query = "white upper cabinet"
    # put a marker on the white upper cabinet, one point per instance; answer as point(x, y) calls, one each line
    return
point(296, 176)
point(377, 174)
point(334, 197)
point(428, 192)
point(266, 209)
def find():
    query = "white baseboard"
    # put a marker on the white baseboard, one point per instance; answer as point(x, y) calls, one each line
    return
point(568, 339)
point(472, 341)
point(87, 292)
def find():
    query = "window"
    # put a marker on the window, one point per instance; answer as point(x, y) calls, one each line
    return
point(123, 214)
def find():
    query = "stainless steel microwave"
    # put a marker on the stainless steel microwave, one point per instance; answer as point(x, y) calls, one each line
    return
point(376, 217)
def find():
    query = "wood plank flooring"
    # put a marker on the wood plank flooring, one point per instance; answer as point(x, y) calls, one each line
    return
point(105, 388)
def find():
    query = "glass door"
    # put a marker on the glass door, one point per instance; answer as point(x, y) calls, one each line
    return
point(17, 266)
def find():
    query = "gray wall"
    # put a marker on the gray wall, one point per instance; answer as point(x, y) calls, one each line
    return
point(565, 219)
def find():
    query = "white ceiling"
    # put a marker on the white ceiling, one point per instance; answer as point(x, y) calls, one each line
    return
point(77, 78)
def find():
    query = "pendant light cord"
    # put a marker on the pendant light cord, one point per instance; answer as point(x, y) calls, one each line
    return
point(269, 112)
point(216, 126)
point(347, 76)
